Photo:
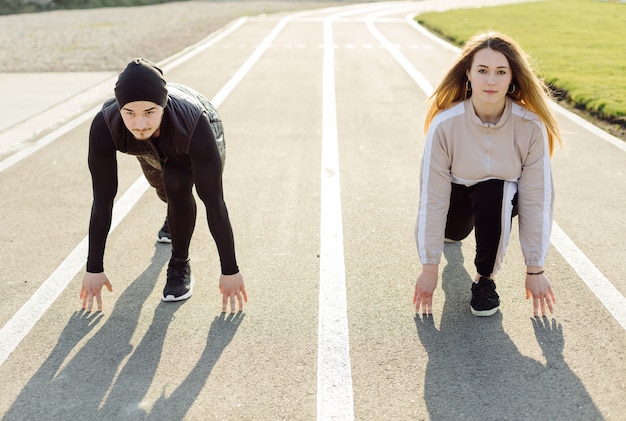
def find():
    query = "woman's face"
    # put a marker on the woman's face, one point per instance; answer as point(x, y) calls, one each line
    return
point(490, 76)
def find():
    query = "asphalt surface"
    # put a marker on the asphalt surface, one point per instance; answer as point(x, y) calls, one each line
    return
point(323, 114)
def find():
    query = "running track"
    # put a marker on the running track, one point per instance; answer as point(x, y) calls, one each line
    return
point(323, 112)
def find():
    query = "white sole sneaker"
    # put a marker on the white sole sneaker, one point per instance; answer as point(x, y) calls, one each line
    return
point(484, 313)
point(164, 240)
point(170, 298)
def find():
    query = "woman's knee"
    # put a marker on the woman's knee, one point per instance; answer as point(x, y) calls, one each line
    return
point(460, 218)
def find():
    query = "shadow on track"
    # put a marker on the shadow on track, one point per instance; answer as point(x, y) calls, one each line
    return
point(106, 378)
point(475, 371)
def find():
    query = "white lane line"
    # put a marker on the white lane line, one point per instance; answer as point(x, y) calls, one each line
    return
point(25, 318)
point(410, 19)
point(193, 50)
point(608, 295)
point(14, 331)
point(421, 81)
point(595, 130)
point(46, 140)
point(251, 61)
point(335, 396)
point(335, 400)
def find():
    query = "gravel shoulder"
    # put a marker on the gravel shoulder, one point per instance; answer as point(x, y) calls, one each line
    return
point(106, 39)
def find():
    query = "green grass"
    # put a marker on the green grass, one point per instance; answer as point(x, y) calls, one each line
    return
point(577, 46)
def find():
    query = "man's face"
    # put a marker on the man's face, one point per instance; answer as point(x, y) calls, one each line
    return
point(142, 118)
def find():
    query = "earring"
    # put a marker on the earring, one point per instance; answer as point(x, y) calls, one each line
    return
point(468, 85)
point(510, 91)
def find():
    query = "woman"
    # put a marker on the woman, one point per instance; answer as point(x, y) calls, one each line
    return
point(490, 136)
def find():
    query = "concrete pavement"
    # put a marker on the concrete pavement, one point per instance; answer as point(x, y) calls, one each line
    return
point(34, 103)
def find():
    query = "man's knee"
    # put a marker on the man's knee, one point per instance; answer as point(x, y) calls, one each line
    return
point(178, 181)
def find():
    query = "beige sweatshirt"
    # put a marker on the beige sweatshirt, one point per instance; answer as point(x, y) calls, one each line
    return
point(461, 149)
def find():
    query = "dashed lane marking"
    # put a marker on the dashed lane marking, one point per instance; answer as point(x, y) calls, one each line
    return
point(302, 46)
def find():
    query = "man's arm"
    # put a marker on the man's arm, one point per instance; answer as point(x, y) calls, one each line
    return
point(206, 165)
point(103, 168)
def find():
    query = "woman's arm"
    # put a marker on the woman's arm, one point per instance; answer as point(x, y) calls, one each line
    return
point(536, 199)
point(535, 212)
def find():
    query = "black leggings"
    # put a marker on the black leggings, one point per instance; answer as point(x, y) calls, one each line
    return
point(487, 207)
point(173, 185)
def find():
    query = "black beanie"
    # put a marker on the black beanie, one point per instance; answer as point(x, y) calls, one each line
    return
point(142, 80)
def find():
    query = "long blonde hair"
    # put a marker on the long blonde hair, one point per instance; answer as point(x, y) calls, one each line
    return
point(530, 91)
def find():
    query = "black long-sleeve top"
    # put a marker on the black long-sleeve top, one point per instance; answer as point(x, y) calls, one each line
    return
point(187, 137)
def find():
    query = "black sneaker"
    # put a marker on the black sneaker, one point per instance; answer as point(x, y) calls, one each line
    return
point(485, 299)
point(164, 233)
point(179, 285)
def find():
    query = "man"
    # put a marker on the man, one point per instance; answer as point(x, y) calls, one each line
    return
point(178, 139)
